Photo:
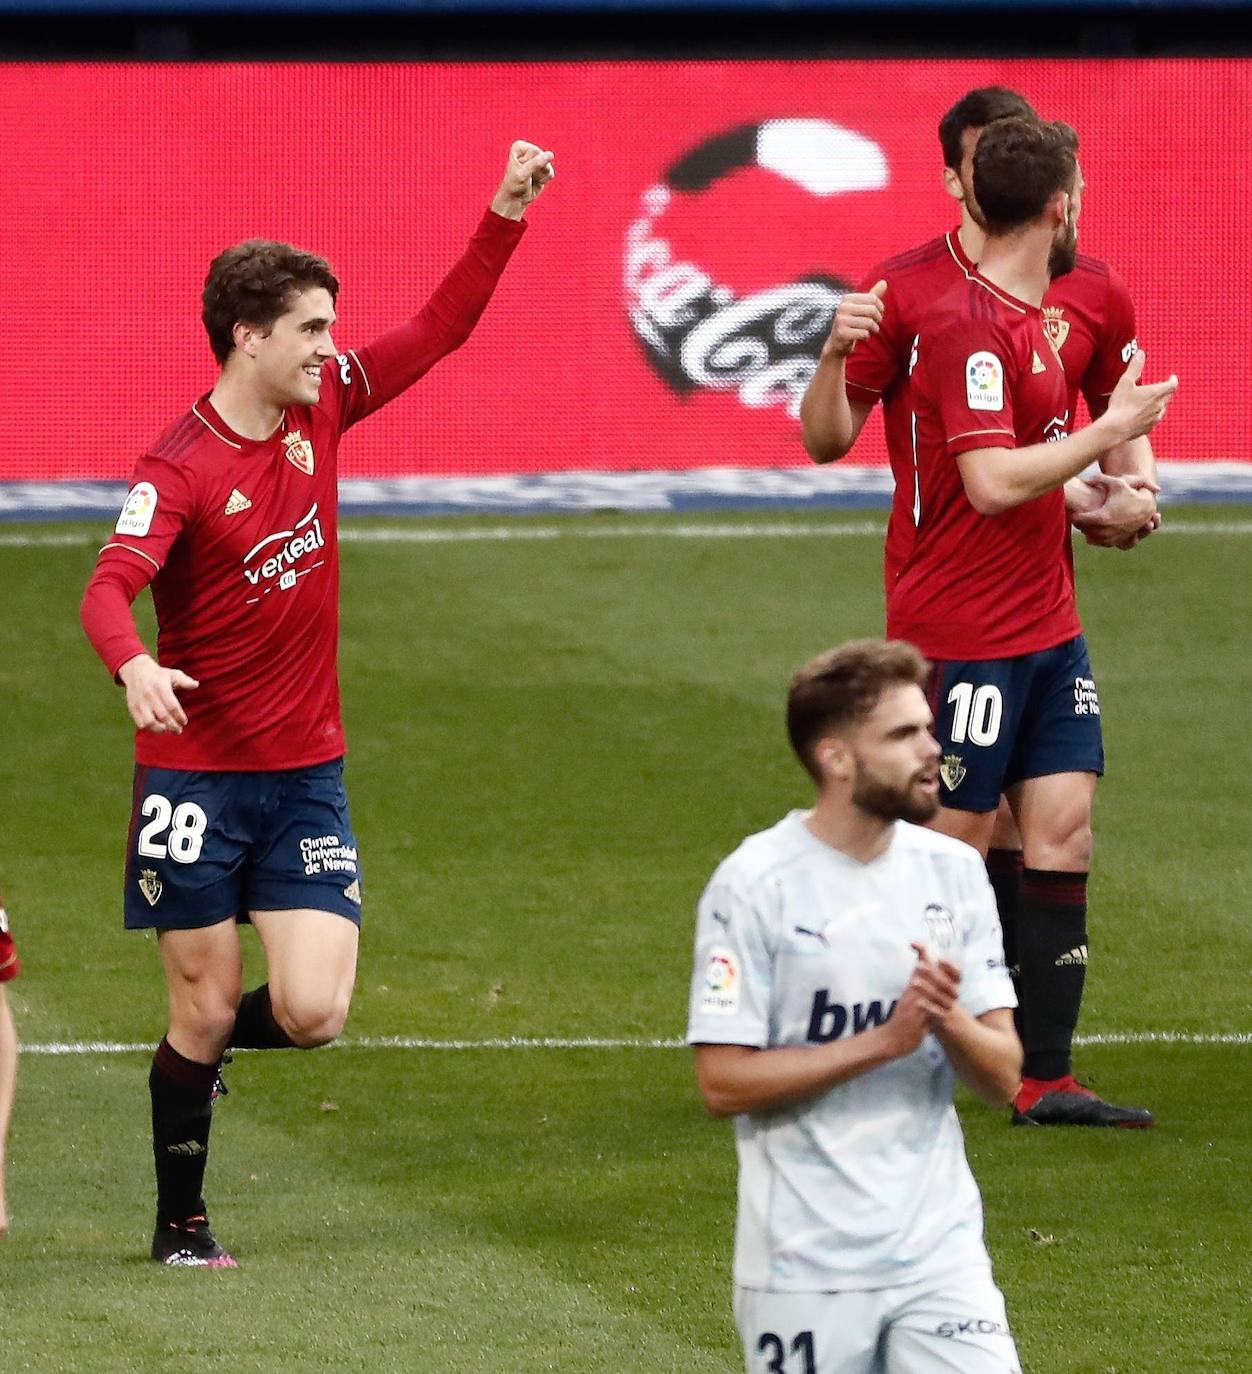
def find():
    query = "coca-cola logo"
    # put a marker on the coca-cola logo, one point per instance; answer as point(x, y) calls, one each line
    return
point(701, 332)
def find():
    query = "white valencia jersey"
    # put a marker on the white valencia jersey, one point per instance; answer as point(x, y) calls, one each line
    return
point(798, 944)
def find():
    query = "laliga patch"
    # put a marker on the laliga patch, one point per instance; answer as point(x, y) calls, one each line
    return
point(722, 982)
point(984, 382)
point(138, 510)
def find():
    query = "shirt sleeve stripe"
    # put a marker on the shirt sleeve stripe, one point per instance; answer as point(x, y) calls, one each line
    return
point(369, 390)
point(968, 433)
point(139, 553)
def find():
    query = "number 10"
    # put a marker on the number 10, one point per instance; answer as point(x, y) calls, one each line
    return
point(978, 713)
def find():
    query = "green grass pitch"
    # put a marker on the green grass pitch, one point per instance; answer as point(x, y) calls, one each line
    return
point(553, 739)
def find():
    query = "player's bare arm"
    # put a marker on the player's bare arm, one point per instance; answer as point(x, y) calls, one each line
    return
point(831, 423)
point(152, 694)
point(984, 1050)
point(741, 1078)
point(529, 170)
point(1133, 460)
point(997, 479)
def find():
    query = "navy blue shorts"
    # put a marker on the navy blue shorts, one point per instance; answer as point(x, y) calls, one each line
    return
point(1003, 720)
point(211, 847)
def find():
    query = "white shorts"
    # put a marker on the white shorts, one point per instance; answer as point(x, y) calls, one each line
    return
point(954, 1324)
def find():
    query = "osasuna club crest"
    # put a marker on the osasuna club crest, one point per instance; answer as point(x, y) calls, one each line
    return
point(952, 771)
point(1055, 325)
point(151, 886)
point(299, 452)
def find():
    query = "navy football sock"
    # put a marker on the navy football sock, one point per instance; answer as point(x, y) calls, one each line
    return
point(255, 1026)
point(182, 1113)
point(1052, 955)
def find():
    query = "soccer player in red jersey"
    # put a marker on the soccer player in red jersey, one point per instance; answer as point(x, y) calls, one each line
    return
point(987, 589)
point(9, 968)
point(239, 805)
point(1090, 318)
point(869, 355)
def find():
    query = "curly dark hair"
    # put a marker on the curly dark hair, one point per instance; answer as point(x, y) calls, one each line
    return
point(842, 686)
point(257, 281)
point(1019, 165)
point(975, 110)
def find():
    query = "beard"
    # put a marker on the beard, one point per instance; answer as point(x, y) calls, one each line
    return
point(887, 802)
point(1064, 255)
point(971, 203)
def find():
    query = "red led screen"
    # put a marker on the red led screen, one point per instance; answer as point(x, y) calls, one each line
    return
point(669, 300)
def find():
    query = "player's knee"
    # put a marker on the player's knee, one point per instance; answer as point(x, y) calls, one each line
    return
point(312, 1021)
point(204, 1021)
point(1067, 849)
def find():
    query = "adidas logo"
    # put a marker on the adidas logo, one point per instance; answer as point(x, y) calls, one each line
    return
point(1077, 955)
point(1037, 363)
point(353, 891)
point(238, 501)
point(186, 1147)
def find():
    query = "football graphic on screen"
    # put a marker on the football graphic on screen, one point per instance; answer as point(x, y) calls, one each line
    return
point(731, 269)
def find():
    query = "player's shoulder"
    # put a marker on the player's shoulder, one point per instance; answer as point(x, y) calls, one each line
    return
point(1086, 265)
point(915, 278)
point(919, 261)
point(1092, 283)
point(966, 315)
point(185, 439)
point(763, 855)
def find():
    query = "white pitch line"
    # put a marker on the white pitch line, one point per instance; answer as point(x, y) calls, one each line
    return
point(554, 1042)
point(508, 534)
point(46, 541)
point(687, 530)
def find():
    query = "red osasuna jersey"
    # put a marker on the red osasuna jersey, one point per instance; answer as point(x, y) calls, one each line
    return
point(976, 586)
point(9, 965)
point(1088, 315)
point(239, 541)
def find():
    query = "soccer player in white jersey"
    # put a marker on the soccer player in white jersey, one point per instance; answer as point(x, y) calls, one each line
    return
point(848, 970)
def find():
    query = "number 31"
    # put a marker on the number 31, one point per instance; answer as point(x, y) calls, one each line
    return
point(773, 1347)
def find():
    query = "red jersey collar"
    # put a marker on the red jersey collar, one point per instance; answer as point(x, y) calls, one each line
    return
point(970, 269)
point(953, 237)
point(1002, 295)
point(204, 411)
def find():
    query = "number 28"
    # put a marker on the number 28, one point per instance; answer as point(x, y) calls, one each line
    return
point(185, 822)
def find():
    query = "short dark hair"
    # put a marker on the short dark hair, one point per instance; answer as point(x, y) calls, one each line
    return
point(256, 282)
point(975, 110)
point(842, 686)
point(1019, 165)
